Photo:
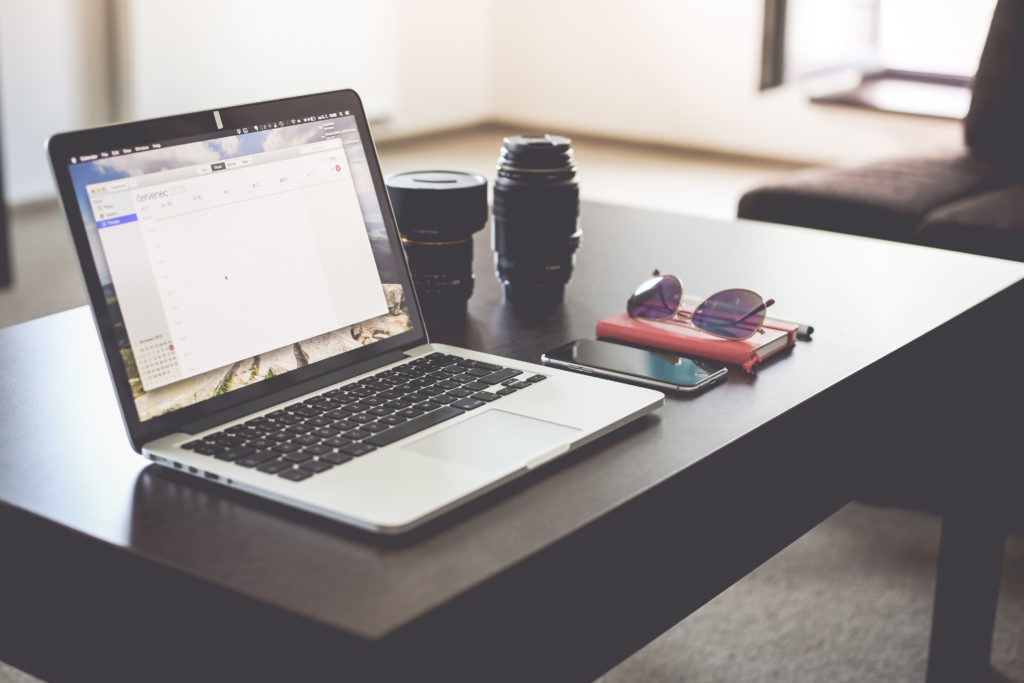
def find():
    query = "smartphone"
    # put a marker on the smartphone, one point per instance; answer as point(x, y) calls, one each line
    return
point(658, 369)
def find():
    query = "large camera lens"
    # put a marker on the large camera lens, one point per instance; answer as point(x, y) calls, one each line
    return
point(437, 213)
point(536, 217)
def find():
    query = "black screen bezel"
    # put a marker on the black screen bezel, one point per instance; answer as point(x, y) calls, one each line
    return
point(63, 146)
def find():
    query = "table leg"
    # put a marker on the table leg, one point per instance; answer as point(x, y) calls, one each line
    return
point(966, 590)
point(5, 259)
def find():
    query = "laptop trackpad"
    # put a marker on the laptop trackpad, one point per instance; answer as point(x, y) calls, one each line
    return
point(496, 440)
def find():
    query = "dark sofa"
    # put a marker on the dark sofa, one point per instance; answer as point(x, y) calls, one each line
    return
point(972, 201)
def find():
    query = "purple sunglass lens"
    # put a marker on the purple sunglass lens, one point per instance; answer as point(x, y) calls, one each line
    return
point(656, 298)
point(732, 314)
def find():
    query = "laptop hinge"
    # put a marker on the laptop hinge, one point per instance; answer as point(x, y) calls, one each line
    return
point(282, 395)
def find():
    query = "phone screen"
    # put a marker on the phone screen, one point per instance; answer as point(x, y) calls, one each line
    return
point(641, 363)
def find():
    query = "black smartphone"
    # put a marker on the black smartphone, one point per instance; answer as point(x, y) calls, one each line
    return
point(658, 369)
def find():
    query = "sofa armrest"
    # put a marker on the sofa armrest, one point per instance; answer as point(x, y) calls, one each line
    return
point(990, 223)
point(885, 199)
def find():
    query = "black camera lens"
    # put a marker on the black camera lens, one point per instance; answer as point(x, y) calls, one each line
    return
point(437, 212)
point(442, 271)
point(536, 217)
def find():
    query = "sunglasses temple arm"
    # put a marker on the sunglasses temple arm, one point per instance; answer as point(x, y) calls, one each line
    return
point(756, 310)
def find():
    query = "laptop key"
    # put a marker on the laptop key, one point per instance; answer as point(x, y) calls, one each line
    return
point(467, 404)
point(412, 426)
point(261, 424)
point(234, 453)
point(486, 396)
point(316, 466)
point(274, 466)
point(479, 364)
point(500, 375)
point(257, 458)
point(209, 448)
point(297, 456)
point(398, 404)
point(357, 449)
point(335, 458)
point(295, 474)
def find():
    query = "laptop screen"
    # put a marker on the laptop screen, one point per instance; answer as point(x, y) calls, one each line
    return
point(232, 257)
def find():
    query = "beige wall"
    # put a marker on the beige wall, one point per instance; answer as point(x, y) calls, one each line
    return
point(683, 72)
point(678, 72)
point(53, 78)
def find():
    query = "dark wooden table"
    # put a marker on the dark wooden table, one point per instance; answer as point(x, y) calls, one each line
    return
point(113, 570)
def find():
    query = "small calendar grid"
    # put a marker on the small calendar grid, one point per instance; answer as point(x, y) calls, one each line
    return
point(157, 362)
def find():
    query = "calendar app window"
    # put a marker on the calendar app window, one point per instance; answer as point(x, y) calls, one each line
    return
point(216, 262)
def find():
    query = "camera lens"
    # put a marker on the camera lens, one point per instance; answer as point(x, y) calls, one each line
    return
point(536, 217)
point(443, 272)
point(437, 212)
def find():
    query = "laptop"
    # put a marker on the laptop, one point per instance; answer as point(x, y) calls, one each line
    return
point(261, 328)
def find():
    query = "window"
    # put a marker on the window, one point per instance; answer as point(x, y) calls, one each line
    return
point(911, 56)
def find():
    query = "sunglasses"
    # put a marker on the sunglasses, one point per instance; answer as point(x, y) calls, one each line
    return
point(735, 314)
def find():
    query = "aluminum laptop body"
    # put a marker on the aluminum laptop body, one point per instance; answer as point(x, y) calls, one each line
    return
point(261, 329)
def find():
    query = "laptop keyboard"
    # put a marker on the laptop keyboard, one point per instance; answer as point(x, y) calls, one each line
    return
point(312, 436)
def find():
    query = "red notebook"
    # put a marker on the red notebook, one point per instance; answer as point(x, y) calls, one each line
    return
point(682, 337)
